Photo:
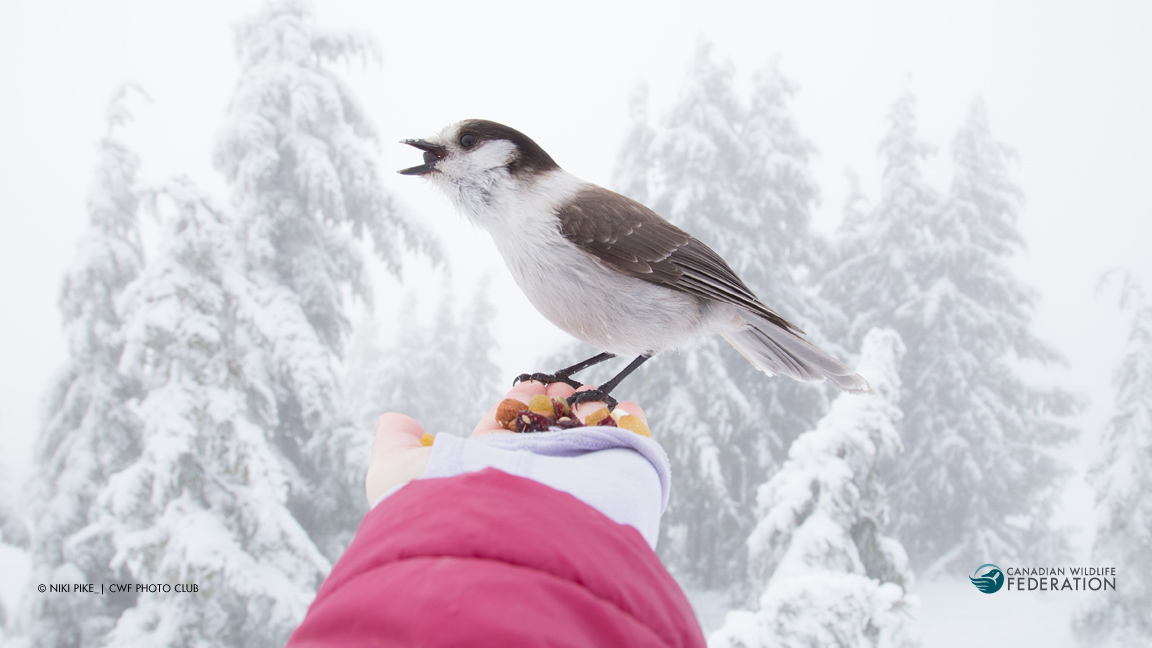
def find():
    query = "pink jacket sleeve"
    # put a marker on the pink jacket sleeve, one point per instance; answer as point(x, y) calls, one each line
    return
point(490, 559)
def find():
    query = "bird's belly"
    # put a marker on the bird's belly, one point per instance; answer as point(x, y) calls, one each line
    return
point(604, 308)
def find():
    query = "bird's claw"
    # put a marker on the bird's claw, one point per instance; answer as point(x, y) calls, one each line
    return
point(547, 379)
point(591, 395)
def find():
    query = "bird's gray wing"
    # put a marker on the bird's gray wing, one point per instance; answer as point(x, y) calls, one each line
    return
point(635, 240)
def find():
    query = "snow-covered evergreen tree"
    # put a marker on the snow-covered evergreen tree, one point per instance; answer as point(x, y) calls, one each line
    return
point(1122, 476)
point(479, 383)
point(206, 501)
point(297, 150)
point(976, 481)
point(442, 375)
point(779, 188)
point(13, 533)
point(828, 574)
point(697, 152)
point(775, 251)
point(89, 431)
point(734, 173)
point(875, 275)
point(365, 365)
point(13, 530)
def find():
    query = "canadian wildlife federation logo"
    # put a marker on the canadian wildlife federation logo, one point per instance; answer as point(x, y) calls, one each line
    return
point(987, 578)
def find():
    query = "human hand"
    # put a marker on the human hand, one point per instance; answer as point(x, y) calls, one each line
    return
point(398, 456)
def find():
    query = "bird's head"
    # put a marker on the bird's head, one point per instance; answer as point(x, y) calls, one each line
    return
point(476, 153)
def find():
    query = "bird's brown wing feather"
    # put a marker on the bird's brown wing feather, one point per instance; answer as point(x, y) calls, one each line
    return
point(635, 240)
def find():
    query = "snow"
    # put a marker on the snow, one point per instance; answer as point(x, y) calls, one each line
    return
point(205, 502)
point(1122, 476)
point(954, 614)
point(826, 573)
point(441, 372)
point(89, 430)
point(979, 439)
point(732, 170)
point(229, 461)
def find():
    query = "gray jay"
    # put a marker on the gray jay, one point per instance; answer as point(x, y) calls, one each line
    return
point(605, 268)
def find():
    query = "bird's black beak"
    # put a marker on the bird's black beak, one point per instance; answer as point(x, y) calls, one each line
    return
point(433, 153)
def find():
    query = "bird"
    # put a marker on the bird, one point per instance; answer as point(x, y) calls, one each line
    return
point(990, 582)
point(605, 268)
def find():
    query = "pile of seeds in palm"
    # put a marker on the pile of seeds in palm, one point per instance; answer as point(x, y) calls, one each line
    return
point(542, 413)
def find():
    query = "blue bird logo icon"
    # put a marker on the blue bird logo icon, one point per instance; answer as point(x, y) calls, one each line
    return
point(988, 581)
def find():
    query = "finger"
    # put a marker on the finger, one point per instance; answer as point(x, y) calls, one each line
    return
point(526, 390)
point(395, 432)
point(559, 390)
point(582, 410)
point(522, 392)
point(397, 454)
point(634, 409)
point(392, 422)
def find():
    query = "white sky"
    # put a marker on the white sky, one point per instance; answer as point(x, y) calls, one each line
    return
point(1067, 84)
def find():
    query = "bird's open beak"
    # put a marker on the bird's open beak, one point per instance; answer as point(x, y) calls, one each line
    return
point(433, 153)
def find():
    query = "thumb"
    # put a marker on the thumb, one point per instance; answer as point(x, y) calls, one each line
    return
point(396, 454)
point(395, 432)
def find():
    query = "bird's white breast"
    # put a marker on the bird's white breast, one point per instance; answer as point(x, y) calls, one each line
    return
point(575, 291)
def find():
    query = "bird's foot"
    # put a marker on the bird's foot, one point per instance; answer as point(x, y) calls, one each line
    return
point(548, 379)
point(591, 395)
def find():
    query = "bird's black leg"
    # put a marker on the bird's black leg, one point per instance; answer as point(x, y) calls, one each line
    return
point(602, 392)
point(563, 374)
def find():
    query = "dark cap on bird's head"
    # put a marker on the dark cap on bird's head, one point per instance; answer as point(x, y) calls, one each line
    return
point(474, 138)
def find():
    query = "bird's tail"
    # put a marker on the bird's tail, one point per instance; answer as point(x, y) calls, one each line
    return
point(776, 351)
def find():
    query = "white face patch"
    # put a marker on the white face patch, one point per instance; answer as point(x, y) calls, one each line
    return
point(473, 178)
point(470, 165)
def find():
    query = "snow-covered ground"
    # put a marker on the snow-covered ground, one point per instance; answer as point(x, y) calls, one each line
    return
point(710, 607)
point(954, 614)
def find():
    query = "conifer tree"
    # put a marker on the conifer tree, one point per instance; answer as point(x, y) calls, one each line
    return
point(733, 173)
point(696, 153)
point(14, 533)
point(205, 503)
point(828, 574)
point(976, 481)
point(476, 376)
point(775, 251)
point(89, 430)
point(1122, 476)
point(442, 375)
point(780, 191)
point(873, 276)
point(366, 363)
point(297, 150)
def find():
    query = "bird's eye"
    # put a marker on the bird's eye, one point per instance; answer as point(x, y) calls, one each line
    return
point(467, 141)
